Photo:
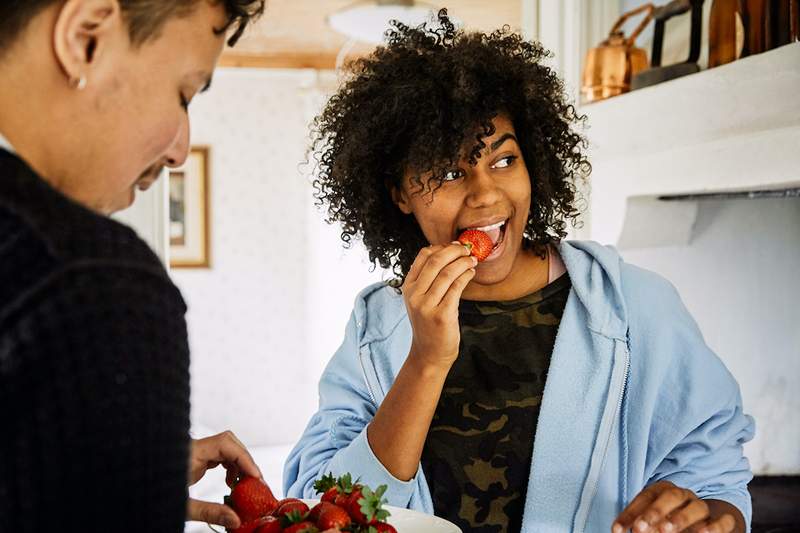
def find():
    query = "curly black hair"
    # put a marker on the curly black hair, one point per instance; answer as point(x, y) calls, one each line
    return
point(419, 105)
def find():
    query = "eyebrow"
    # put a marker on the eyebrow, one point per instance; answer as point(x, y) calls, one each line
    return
point(503, 138)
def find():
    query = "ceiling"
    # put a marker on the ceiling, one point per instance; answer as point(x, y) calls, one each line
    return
point(295, 34)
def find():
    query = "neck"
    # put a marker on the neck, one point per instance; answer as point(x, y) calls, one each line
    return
point(32, 118)
point(529, 273)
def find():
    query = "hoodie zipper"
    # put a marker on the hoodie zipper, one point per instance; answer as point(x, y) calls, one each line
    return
point(361, 356)
point(590, 491)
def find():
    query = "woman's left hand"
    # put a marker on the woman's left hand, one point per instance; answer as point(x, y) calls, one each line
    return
point(665, 508)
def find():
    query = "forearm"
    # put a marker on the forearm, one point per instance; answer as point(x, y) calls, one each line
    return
point(397, 433)
point(718, 508)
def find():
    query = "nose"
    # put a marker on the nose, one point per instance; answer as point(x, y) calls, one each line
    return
point(483, 190)
point(178, 152)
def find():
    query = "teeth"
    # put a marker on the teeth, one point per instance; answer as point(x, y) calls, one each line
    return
point(493, 226)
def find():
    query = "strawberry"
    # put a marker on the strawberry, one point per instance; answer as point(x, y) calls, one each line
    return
point(269, 524)
point(253, 525)
point(345, 488)
point(330, 495)
point(287, 500)
point(383, 527)
point(251, 499)
point(297, 522)
point(302, 527)
point(366, 506)
point(332, 516)
point(313, 514)
point(477, 242)
point(342, 500)
point(328, 486)
point(291, 506)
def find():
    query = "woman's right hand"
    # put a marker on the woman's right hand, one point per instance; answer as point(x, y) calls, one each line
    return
point(432, 291)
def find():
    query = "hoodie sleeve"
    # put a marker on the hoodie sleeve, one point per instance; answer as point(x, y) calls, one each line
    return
point(697, 427)
point(709, 459)
point(335, 440)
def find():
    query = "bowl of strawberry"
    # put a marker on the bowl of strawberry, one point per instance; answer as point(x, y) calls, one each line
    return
point(344, 506)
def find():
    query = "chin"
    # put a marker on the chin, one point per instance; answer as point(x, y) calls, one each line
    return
point(121, 203)
point(491, 274)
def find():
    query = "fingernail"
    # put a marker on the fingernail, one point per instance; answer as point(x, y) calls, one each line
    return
point(455, 242)
point(616, 528)
point(667, 527)
point(474, 260)
point(641, 526)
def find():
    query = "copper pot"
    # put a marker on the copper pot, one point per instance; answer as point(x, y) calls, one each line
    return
point(610, 66)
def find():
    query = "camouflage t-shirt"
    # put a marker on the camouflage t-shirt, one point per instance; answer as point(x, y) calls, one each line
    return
point(478, 452)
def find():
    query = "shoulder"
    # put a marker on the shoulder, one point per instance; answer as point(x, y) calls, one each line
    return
point(65, 231)
point(379, 308)
point(655, 310)
point(668, 350)
point(643, 288)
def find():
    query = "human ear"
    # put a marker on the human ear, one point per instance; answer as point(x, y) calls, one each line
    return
point(400, 199)
point(80, 35)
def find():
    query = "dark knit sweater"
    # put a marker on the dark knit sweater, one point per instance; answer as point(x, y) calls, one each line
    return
point(94, 370)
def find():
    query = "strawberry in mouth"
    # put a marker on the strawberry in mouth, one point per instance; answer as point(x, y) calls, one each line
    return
point(483, 241)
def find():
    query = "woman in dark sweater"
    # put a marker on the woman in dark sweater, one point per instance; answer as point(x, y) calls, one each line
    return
point(94, 362)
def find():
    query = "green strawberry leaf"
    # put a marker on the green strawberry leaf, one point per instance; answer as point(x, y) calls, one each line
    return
point(325, 483)
point(293, 517)
point(345, 484)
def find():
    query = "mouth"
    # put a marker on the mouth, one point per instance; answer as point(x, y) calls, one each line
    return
point(496, 231)
point(148, 178)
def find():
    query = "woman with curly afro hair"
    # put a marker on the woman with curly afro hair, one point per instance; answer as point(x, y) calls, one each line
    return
point(520, 382)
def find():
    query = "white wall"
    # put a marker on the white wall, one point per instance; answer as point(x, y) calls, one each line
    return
point(148, 216)
point(270, 311)
point(740, 279)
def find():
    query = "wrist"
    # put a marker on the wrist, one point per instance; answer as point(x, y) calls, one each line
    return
point(428, 366)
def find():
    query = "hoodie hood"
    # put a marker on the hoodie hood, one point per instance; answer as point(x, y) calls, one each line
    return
point(595, 271)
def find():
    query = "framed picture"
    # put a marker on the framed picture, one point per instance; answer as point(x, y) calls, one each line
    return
point(189, 212)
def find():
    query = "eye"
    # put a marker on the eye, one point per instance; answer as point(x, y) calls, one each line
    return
point(505, 162)
point(453, 175)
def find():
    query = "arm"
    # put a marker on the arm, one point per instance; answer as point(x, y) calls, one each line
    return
point(695, 463)
point(382, 444)
point(398, 432)
point(432, 291)
point(94, 404)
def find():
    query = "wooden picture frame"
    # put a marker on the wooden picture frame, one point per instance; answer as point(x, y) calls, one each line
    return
point(189, 237)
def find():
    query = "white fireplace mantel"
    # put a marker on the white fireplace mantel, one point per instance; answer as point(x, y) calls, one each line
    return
point(729, 129)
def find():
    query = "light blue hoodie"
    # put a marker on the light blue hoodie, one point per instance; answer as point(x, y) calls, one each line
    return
point(633, 396)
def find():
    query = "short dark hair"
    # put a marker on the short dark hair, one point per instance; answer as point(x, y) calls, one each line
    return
point(416, 105)
point(145, 18)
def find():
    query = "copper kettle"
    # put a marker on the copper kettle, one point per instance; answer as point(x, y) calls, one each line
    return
point(610, 66)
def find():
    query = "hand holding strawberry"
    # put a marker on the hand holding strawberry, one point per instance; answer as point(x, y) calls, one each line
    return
point(432, 292)
point(226, 450)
